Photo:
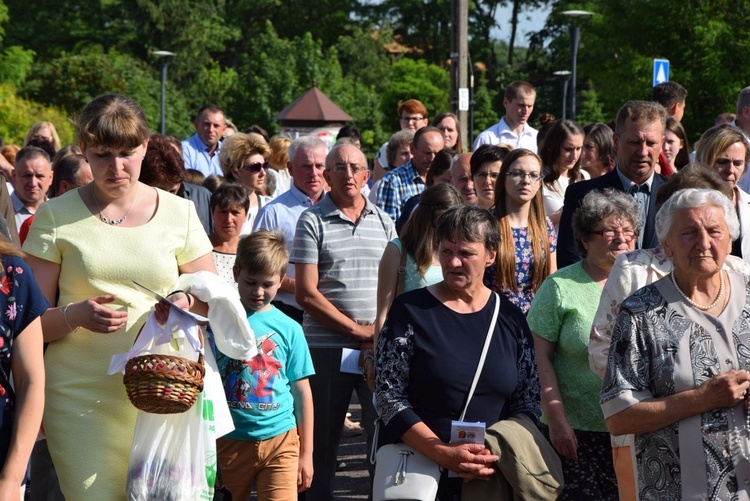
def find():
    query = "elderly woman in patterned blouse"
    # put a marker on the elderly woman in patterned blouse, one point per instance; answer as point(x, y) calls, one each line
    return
point(676, 375)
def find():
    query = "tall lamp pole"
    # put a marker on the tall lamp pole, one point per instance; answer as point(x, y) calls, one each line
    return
point(575, 35)
point(566, 81)
point(163, 56)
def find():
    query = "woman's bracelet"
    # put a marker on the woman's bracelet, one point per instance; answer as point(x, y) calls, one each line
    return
point(65, 316)
point(187, 295)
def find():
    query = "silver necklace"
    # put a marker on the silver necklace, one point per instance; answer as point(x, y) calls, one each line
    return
point(114, 222)
point(693, 303)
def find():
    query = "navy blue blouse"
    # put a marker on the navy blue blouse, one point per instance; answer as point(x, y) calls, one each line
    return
point(427, 355)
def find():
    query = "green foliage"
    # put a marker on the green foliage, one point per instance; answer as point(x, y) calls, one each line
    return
point(17, 115)
point(423, 24)
point(3, 19)
point(589, 108)
point(485, 114)
point(72, 80)
point(357, 75)
point(412, 79)
point(51, 27)
point(701, 39)
point(276, 71)
point(15, 64)
point(253, 57)
point(196, 31)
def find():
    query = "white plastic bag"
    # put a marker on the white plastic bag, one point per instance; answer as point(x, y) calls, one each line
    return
point(173, 457)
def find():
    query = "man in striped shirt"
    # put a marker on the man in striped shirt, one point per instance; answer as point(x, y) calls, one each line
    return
point(336, 252)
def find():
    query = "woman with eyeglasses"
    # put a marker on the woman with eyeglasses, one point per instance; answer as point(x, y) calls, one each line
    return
point(243, 159)
point(528, 241)
point(560, 319)
point(485, 168)
point(561, 157)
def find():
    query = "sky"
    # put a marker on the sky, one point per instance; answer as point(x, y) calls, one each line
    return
point(530, 21)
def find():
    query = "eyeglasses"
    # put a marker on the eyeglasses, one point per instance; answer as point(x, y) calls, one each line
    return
point(417, 118)
point(628, 234)
point(517, 176)
point(340, 168)
point(255, 167)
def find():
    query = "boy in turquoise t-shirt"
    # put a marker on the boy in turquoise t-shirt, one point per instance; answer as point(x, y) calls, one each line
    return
point(269, 395)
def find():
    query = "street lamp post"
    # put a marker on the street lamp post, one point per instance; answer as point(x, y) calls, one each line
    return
point(566, 81)
point(575, 35)
point(163, 56)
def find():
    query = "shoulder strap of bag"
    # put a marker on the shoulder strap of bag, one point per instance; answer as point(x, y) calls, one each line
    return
point(486, 347)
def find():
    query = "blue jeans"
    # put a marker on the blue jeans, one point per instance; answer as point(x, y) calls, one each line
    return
point(332, 392)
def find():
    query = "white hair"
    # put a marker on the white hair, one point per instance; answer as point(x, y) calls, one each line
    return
point(305, 143)
point(689, 198)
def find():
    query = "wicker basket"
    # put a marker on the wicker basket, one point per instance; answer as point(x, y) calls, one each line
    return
point(164, 384)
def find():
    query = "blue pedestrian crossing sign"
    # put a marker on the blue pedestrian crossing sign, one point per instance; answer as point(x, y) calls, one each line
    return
point(661, 71)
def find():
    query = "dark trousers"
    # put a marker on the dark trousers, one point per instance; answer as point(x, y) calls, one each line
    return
point(332, 392)
point(44, 484)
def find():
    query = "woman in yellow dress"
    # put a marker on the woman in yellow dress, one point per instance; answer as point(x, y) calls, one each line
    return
point(85, 248)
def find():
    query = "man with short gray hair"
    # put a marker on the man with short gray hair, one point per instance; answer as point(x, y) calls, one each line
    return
point(337, 249)
point(306, 164)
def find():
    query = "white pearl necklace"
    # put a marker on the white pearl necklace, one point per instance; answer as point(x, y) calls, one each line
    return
point(693, 303)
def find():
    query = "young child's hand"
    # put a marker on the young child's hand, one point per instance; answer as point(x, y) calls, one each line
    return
point(304, 472)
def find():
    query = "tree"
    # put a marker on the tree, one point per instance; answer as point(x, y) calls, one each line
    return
point(50, 27)
point(518, 7)
point(70, 81)
point(17, 115)
point(196, 31)
point(485, 114)
point(415, 79)
point(617, 56)
point(275, 71)
point(423, 26)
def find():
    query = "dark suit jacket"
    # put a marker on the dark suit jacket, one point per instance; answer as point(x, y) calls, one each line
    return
point(567, 253)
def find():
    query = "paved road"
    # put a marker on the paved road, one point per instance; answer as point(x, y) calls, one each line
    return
point(353, 482)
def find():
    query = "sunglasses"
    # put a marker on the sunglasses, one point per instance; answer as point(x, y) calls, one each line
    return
point(255, 167)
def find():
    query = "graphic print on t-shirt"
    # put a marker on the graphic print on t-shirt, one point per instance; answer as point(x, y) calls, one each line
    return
point(249, 383)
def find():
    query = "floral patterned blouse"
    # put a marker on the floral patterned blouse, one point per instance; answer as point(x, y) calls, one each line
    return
point(21, 302)
point(524, 268)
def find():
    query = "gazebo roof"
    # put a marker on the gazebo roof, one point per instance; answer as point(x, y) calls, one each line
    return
point(313, 106)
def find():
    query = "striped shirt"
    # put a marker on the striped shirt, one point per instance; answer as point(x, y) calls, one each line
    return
point(347, 256)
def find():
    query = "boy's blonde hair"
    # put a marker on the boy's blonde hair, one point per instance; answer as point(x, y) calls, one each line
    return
point(262, 252)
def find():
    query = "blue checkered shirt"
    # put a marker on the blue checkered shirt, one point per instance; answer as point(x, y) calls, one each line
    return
point(397, 187)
